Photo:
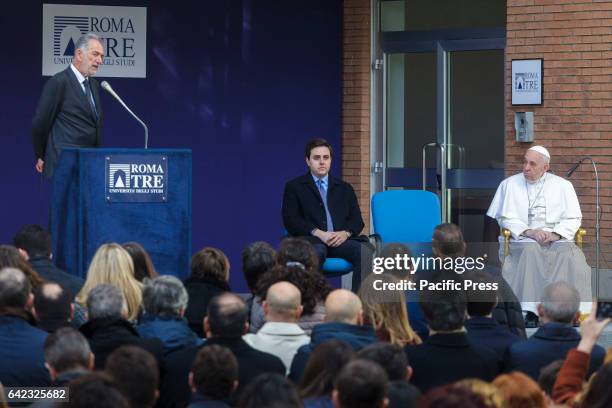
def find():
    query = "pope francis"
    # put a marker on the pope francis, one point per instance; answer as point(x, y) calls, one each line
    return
point(542, 213)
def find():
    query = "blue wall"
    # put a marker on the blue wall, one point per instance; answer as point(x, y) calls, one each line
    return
point(243, 84)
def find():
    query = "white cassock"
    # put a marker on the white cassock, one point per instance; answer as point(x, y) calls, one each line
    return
point(549, 204)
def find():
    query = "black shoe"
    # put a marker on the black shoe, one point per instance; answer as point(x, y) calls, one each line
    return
point(531, 321)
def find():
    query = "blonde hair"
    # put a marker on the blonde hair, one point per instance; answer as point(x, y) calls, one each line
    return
point(491, 395)
point(386, 311)
point(112, 264)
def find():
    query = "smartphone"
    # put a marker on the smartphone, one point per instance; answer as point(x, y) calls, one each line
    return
point(604, 308)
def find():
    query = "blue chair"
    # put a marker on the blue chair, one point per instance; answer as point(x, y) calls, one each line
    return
point(406, 216)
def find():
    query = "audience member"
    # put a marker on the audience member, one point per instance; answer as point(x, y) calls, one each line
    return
point(548, 376)
point(269, 390)
point(296, 253)
point(520, 391)
point(34, 243)
point(11, 258)
point(95, 390)
point(224, 325)
point(447, 354)
point(452, 396)
point(343, 321)
point(324, 365)
point(165, 300)
point(313, 287)
point(482, 329)
point(386, 311)
point(447, 242)
point(280, 335)
point(361, 384)
point(209, 278)
point(21, 345)
point(136, 375)
point(257, 258)
point(569, 384)
point(402, 394)
point(108, 329)
point(143, 265)
point(558, 310)
point(111, 264)
point(53, 307)
point(390, 357)
point(492, 397)
point(213, 378)
point(67, 356)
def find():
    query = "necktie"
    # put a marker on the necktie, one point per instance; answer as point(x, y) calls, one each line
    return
point(323, 191)
point(89, 96)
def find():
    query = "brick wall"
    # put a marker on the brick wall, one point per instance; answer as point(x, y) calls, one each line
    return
point(574, 37)
point(356, 101)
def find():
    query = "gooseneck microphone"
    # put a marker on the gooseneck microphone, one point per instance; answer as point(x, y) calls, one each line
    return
point(106, 86)
point(597, 214)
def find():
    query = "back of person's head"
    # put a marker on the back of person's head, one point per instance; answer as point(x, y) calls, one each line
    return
point(143, 265)
point(52, 302)
point(267, 390)
point(386, 311)
point(227, 316)
point(453, 396)
point(164, 296)
point(113, 265)
point(444, 310)
point(548, 376)
point(313, 286)
point(66, 350)
point(390, 357)
point(14, 288)
point(361, 384)
point(34, 240)
point(96, 390)
point(257, 258)
point(481, 302)
point(520, 391)
point(298, 250)
point(11, 258)
point(492, 397)
point(323, 366)
point(343, 306)
point(395, 251)
point(560, 302)
point(598, 392)
point(402, 394)
point(214, 372)
point(210, 263)
point(447, 241)
point(106, 301)
point(283, 303)
point(136, 374)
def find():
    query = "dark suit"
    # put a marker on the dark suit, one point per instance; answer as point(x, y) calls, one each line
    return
point(64, 118)
point(303, 211)
point(49, 272)
point(446, 358)
point(487, 332)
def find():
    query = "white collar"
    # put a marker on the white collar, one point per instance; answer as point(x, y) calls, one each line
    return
point(78, 74)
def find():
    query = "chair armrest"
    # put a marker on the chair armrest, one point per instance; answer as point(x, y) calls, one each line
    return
point(579, 237)
point(505, 232)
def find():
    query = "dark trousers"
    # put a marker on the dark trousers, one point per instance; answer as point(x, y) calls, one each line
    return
point(357, 252)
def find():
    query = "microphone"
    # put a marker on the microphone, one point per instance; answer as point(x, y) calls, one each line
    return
point(106, 86)
point(573, 169)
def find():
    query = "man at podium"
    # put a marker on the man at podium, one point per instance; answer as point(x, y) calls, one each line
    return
point(542, 213)
point(69, 113)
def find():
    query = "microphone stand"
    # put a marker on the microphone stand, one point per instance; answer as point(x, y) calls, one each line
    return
point(597, 216)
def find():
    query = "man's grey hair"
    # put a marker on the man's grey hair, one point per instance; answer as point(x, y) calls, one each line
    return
point(83, 42)
point(14, 288)
point(560, 302)
point(67, 349)
point(105, 301)
point(164, 296)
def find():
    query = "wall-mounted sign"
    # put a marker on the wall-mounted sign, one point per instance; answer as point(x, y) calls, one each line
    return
point(123, 31)
point(527, 82)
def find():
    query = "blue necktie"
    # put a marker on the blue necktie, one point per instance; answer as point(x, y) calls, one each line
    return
point(89, 96)
point(323, 191)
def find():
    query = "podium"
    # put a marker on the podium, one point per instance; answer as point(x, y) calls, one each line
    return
point(120, 195)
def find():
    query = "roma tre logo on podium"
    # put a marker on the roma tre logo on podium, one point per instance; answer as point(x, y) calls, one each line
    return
point(136, 178)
